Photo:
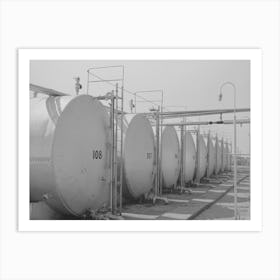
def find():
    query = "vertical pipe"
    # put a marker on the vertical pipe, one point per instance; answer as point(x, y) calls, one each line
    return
point(250, 145)
point(208, 154)
point(116, 150)
point(121, 163)
point(112, 152)
point(157, 154)
point(216, 154)
point(87, 81)
point(160, 170)
point(235, 163)
point(182, 157)
point(228, 156)
point(222, 160)
point(197, 156)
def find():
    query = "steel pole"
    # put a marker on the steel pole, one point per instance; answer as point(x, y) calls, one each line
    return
point(197, 176)
point(121, 163)
point(216, 155)
point(234, 145)
point(182, 157)
point(235, 162)
point(208, 154)
point(160, 143)
point(112, 152)
point(121, 159)
point(116, 150)
point(157, 155)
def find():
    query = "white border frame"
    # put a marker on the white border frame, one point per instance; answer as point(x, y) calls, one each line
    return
point(24, 57)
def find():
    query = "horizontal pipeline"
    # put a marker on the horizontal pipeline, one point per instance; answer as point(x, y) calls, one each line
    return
point(243, 121)
point(177, 114)
point(48, 91)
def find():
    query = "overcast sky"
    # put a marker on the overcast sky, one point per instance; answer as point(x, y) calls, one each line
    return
point(192, 84)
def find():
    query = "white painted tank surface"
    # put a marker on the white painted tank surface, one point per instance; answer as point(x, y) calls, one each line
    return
point(219, 157)
point(211, 157)
point(69, 153)
point(189, 157)
point(139, 156)
point(201, 171)
point(170, 162)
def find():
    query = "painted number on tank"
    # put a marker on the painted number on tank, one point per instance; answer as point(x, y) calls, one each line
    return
point(97, 154)
point(149, 155)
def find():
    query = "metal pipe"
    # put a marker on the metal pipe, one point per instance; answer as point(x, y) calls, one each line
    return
point(241, 121)
point(197, 179)
point(103, 67)
point(234, 149)
point(101, 81)
point(161, 121)
point(182, 177)
point(122, 156)
point(222, 159)
point(47, 91)
point(206, 112)
point(236, 214)
point(208, 154)
point(121, 168)
point(216, 155)
point(177, 114)
point(112, 153)
point(148, 91)
point(116, 151)
point(157, 154)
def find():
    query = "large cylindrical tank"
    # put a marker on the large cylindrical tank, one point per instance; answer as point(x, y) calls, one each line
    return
point(189, 157)
point(218, 156)
point(69, 153)
point(139, 156)
point(201, 170)
point(170, 161)
point(211, 163)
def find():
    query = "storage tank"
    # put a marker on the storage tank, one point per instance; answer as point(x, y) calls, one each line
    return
point(201, 169)
point(218, 156)
point(189, 157)
point(211, 160)
point(69, 153)
point(170, 161)
point(139, 156)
